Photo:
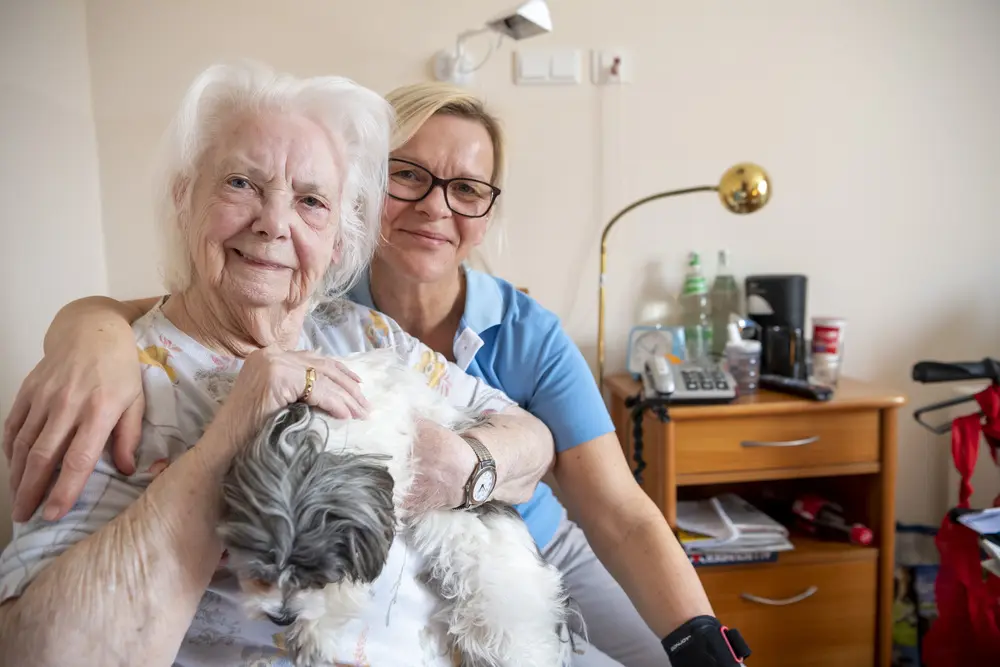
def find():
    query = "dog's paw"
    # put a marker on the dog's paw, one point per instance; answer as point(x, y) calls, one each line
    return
point(304, 649)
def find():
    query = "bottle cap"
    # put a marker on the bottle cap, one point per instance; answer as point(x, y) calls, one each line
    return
point(723, 260)
point(735, 339)
point(733, 332)
point(861, 535)
point(694, 281)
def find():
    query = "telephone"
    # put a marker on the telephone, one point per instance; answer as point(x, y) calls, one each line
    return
point(665, 384)
point(655, 356)
point(686, 383)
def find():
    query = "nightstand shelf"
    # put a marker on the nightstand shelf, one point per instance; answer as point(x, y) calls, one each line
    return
point(698, 479)
point(824, 603)
point(807, 550)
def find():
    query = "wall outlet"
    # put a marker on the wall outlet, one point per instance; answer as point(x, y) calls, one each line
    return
point(609, 67)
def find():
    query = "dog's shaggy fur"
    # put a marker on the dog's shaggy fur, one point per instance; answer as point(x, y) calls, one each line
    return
point(313, 504)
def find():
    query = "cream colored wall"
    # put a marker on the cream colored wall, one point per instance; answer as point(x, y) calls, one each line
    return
point(876, 121)
point(50, 210)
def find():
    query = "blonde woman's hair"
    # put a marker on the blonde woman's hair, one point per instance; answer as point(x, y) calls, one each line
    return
point(416, 103)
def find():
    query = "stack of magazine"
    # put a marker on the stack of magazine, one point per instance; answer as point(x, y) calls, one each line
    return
point(726, 530)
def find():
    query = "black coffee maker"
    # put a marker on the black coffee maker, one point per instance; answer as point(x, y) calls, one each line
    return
point(778, 304)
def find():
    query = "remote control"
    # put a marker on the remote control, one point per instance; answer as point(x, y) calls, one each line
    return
point(787, 385)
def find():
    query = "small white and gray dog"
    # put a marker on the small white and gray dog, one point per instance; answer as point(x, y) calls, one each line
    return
point(313, 503)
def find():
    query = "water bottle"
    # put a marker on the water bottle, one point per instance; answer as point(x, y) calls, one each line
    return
point(696, 312)
point(725, 300)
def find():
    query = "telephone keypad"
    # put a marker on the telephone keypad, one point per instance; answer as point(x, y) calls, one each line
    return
point(708, 385)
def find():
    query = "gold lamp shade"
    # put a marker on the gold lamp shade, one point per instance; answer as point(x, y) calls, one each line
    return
point(744, 188)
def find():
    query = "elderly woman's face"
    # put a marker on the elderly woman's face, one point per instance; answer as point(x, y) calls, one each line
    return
point(264, 210)
point(426, 240)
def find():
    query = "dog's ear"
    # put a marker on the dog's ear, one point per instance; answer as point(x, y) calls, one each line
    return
point(344, 520)
point(261, 489)
point(294, 509)
point(289, 429)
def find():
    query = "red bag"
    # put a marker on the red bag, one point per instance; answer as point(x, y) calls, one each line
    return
point(967, 630)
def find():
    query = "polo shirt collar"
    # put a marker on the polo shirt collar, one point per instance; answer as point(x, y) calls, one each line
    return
point(483, 301)
point(483, 311)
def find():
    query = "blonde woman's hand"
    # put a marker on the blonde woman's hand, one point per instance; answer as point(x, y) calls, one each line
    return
point(272, 378)
point(77, 397)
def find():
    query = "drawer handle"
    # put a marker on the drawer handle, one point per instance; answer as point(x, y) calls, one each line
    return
point(807, 593)
point(780, 443)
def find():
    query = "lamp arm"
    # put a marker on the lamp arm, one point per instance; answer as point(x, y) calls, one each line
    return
point(604, 262)
point(646, 200)
point(462, 36)
point(456, 57)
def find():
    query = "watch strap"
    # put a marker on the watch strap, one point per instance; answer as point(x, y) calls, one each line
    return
point(479, 448)
point(485, 461)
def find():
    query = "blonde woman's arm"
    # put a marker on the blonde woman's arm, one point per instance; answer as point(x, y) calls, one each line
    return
point(625, 529)
point(84, 390)
point(519, 442)
point(630, 535)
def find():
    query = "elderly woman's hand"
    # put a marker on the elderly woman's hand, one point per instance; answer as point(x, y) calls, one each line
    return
point(443, 462)
point(272, 378)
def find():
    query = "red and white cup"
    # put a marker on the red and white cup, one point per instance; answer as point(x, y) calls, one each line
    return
point(827, 349)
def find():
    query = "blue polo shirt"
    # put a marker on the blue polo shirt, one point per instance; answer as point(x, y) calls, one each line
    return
point(517, 346)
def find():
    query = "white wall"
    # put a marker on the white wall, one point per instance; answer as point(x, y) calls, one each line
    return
point(877, 122)
point(50, 211)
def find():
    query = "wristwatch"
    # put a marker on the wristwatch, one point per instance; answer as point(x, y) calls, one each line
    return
point(483, 479)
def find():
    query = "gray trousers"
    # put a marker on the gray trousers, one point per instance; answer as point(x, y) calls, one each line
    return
point(618, 637)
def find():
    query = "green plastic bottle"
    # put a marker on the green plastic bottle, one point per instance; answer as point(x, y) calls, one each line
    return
point(696, 312)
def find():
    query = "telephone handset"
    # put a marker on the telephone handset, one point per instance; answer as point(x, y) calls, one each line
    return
point(658, 378)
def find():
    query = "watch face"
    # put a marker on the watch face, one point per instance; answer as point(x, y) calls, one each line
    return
point(483, 486)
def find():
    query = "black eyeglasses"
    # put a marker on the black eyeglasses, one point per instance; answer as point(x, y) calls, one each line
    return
point(468, 197)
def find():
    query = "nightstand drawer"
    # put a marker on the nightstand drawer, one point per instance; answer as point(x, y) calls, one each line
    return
point(793, 440)
point(806, 615)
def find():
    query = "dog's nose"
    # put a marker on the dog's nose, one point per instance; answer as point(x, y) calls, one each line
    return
point(282, 619)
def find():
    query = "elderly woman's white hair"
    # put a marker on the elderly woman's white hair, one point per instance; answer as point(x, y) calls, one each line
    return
point(358, 120)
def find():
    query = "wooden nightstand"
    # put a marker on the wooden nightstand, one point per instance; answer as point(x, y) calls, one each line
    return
point(825, 604)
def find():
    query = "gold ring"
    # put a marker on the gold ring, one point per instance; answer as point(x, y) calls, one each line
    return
point(310, 381)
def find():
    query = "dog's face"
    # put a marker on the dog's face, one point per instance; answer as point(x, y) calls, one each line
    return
point(297, 518)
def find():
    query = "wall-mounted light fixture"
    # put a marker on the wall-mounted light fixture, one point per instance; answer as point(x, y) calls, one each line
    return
point(527, 20)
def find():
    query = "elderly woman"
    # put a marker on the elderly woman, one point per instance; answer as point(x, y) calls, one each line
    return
point(265, 191)
point(625, 569)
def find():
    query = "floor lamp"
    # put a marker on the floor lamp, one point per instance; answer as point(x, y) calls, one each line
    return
point(744, 188)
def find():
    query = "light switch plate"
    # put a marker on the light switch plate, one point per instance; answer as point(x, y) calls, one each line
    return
point(564, 66)
point(554, 66)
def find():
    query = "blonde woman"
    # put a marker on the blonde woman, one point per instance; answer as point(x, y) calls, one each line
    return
point(622, 564)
